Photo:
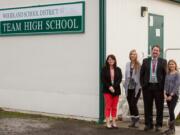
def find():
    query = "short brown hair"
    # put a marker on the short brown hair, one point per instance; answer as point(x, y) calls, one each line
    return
point(158, 46)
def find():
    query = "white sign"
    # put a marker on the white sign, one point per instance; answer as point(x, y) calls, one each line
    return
point(151, 21)
point(42, 12)
point(158, 32)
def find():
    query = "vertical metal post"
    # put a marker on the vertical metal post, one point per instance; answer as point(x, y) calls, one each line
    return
point(102, 52)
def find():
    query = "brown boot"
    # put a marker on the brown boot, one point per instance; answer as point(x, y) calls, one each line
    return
point(171, 130)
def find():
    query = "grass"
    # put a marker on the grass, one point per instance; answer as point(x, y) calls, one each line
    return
point(9, 114)
point(178, 120)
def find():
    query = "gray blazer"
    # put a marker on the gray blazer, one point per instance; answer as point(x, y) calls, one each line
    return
point(135, 76)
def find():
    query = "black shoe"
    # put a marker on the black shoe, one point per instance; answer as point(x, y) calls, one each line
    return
point(114, 126)
point(167, 132)
point(158, 128)
point(148, 128)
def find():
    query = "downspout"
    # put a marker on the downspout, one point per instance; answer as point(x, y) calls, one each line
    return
point(102, 53)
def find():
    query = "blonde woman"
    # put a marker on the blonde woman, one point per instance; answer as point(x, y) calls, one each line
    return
point(132, 87)
point(171, 87)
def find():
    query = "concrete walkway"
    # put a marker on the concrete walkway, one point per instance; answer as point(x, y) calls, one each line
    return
point(141, 127)
point(177, 130)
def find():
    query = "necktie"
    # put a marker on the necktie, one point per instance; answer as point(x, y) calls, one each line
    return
point(153, 65)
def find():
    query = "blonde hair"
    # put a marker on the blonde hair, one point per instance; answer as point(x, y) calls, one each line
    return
point(173, 61)
point(136, 64)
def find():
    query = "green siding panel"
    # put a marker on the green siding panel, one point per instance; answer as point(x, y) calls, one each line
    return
point(21, 25)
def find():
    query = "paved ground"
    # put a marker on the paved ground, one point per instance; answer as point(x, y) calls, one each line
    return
point(18, 125)
point(178, 130)
point(14, 126)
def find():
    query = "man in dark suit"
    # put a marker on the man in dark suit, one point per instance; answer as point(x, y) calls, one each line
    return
point(152, 78)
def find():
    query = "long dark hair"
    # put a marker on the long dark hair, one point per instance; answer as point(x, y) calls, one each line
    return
point(112, 57)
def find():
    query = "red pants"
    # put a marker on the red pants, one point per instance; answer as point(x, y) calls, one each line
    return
point(110, 105)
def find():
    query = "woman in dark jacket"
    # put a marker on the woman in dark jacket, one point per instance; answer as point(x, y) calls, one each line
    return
point(111, 79)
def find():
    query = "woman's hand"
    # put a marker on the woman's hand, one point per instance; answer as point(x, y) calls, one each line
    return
point(169, 98)
point(111, 89)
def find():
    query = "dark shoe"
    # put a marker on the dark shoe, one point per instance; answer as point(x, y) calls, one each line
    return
point(148, 128)
point(134, 122)
point(158, 128)
point(114, 126)
point(172, 125)
point(169, 132)
point(166, 132)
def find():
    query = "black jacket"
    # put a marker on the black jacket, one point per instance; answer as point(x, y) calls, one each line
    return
point(106, 80)
point(145, 72)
